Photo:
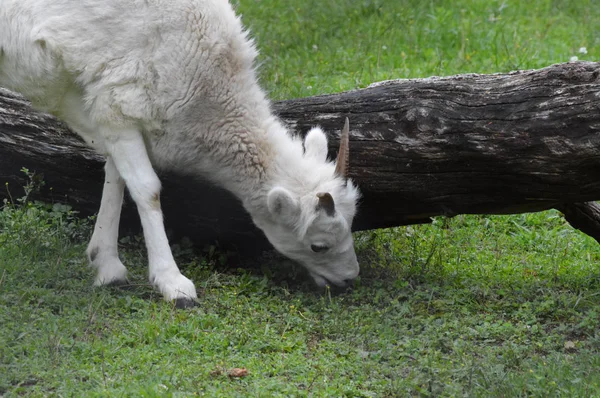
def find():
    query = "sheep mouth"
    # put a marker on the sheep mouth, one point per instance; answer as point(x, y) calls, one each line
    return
point(323, 282)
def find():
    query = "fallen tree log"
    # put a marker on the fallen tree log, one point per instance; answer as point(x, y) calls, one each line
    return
point(495, 144)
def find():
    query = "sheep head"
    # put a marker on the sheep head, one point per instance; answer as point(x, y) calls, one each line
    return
point(312, 224)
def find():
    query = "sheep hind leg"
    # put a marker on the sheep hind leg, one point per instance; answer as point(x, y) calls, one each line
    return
point(128, 151)
point(102, 250)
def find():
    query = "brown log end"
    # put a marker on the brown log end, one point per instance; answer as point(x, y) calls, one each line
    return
point(583, 216)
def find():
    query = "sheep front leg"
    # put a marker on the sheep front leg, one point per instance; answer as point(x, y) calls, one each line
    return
point(128, 151)
point(102, 249)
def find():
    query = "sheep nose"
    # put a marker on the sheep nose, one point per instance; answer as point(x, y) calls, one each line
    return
point(349, 282)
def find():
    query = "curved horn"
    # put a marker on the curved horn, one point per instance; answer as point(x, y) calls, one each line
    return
point(343, 158)
point(326, 203)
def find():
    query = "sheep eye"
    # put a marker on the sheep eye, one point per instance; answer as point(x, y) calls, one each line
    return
point(319, 248)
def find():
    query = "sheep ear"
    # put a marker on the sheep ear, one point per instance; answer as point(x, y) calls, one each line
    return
point(315, 144)
point(283, 206)
point(326, 203)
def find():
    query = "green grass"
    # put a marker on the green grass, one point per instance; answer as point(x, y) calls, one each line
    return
point(314, 47)
point(469, 306)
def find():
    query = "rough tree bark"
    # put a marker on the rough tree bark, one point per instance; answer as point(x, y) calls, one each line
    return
point(495, 144)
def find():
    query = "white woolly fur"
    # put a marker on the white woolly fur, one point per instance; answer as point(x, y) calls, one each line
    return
point(171, 84)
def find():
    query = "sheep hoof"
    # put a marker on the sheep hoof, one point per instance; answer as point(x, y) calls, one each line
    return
point(183, 303)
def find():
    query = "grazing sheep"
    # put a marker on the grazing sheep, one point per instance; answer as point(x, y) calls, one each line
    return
point(171, 84)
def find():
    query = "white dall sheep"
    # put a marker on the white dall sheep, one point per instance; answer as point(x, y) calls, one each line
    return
point(171, 84)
